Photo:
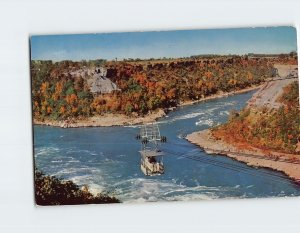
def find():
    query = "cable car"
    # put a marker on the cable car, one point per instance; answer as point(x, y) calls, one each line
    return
point(152, 162)
point(151, 155)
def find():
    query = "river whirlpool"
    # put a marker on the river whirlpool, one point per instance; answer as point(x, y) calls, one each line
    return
point(107, 159)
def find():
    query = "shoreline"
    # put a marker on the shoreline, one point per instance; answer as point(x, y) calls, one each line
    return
point(106, 120)
point(222, 95)
point(253, 157)
point(267, 95)
point(123, 120)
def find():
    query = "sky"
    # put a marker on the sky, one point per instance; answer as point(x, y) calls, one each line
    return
point(171, 44)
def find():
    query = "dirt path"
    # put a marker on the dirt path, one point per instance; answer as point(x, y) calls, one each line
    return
point(270, 91)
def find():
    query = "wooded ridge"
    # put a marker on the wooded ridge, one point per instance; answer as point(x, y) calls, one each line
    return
point(139, 87)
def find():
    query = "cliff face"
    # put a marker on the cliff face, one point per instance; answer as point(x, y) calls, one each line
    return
point(97, 80)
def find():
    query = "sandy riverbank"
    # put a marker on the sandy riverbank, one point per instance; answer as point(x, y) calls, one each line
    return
point(105, 120)
point(121, 119)
point(282, 162)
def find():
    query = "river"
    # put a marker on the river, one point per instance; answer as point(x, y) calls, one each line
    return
point(107, 158)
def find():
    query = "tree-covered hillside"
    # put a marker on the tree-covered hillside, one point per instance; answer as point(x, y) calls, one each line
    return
point(275, 129)
point(59, 93)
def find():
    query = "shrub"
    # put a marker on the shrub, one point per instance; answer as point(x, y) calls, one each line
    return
point(50, 190)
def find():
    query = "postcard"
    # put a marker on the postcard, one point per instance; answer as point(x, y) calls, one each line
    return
point(165, 115)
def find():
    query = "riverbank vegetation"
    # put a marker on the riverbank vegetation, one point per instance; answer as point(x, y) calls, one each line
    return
point(50, 190)
point(263, 128)
point(144, 86)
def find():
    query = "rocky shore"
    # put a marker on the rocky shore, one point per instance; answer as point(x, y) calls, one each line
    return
point(255, 157)
point(104, 120)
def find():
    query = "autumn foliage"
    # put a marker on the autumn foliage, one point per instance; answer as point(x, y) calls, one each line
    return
point(145, 85)
point(49, 190)
point(275, 129)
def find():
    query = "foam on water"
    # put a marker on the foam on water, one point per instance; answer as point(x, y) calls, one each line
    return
point(187, 116)
point(80, 151)
point(208, 122)
point(56, 161)
point(224, 113)
point(74, 161)
point(45, 151)
point(132, 126)
point(142, 190)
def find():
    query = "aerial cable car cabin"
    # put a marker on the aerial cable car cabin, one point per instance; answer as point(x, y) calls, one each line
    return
point(151, 155)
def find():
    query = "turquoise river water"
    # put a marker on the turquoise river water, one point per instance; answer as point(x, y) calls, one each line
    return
point(107, 158)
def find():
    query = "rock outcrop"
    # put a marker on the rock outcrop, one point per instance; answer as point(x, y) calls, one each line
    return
point(97, 80)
